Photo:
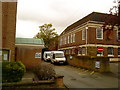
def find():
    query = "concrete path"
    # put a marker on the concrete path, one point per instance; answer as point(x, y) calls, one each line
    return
point(28, 76)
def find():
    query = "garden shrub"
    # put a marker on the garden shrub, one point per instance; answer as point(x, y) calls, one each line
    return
point(44, 71)
point(12, 71)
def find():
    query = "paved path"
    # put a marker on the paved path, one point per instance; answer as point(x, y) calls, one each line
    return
point(28, 77)
point(80, 78)
point(115, 68)
point(0, 72)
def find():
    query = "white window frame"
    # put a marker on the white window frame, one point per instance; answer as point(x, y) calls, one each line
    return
point(99, 38)
point(74, 37)
point(83, 34)
point(112, 51)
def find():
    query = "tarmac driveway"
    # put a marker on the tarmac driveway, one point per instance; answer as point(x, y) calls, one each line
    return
point(80, 78)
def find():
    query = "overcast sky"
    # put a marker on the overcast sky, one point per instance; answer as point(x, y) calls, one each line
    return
point(61, 13)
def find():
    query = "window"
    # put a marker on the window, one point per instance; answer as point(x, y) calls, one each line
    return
point(69, 51)
point(99, 33)
point(83, 34)
point(65, 39)
point(73, 51)
point(68, 39)
point(60, 41)
point(4, 53)
point(118, 34)
point(83, 51)
point(74, 37)
point(110, 51)
point(71, 38)
point(118, 51)
point(79, 51)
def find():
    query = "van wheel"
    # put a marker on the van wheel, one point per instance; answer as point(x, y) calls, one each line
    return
point(52, 62)
point(45, 60)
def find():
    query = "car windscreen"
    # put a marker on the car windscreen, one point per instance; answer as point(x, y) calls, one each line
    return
point(59, 55)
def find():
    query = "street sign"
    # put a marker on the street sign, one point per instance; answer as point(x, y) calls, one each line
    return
point(37, 55)
point(97, 64)
point(100, 49)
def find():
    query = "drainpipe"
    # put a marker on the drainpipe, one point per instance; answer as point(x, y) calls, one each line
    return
point(86, 38)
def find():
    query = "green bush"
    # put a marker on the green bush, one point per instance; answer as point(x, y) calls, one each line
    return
point(44, 71)
point(12, 71)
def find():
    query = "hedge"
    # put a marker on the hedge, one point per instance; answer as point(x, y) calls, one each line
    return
point(12, 71)
point(44, 71)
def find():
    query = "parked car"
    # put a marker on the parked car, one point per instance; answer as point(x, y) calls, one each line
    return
point(47, 55)
point(57, 57)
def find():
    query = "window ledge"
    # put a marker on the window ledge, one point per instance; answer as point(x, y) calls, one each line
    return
point(99, 55)
point(110, 55)
point(99, 38)
point(79, 55)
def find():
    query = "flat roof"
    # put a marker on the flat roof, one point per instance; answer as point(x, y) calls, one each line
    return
point(32, 41)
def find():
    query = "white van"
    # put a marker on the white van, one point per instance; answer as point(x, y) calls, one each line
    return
point(57, 57)
point(47, 55)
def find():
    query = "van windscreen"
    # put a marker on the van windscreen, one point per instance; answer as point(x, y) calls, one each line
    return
point(48, 54)
point(59, 55)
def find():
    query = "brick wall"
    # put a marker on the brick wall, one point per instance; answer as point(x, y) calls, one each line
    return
point(9, 10)
point(26, 54)
point(89, 63)
point(91, 40)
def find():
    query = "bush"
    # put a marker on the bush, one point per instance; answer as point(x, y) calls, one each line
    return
point(12, 71)
point(44, 71)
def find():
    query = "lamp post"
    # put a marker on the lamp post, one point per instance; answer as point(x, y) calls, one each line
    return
point(86, 38)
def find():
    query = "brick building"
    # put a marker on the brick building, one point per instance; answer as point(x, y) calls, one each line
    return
point(29, 51)
point(86, 35)
point(8, 12)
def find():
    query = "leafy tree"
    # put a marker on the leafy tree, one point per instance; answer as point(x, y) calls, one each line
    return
point(47, 33)
point(54, 43)
point(112, 20)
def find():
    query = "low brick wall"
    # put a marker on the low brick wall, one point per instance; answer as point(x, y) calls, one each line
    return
point(90, 63)
point(56, 83)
